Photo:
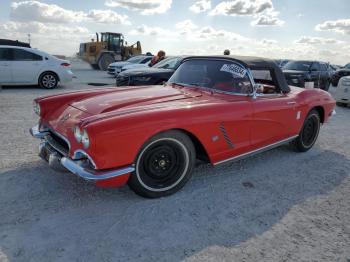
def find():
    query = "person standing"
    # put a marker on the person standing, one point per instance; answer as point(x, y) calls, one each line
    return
point(159, 57)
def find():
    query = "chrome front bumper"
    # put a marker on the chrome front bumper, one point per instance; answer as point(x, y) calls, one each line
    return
point(57, 161)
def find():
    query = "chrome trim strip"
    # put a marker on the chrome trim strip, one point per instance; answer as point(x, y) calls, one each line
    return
point(250, 76)
point(34, 131)
point(62, 137)
point(256, 151)
point(74, 167)
point(79, 154)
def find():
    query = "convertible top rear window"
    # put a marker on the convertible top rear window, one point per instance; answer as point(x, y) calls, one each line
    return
point(220, 75)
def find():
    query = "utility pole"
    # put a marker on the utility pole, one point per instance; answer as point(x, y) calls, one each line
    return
point(29, 38)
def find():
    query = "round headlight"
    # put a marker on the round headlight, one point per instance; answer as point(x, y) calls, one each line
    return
point(36, 108)
point(85, 139)
point(77, 134)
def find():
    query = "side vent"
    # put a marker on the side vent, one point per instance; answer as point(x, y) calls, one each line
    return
point(224, 133)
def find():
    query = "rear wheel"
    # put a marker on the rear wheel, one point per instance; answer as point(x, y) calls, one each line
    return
point(105, 61)
point(309, 133)
point(48, 80)
point(164, 165)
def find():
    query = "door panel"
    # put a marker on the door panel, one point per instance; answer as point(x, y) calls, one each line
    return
point(5, 65)
point(230, 135)
point(26, 66)
point(315, 74)
point(274, 119)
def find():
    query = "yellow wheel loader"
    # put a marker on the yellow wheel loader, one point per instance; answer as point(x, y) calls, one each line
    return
point(110, 48)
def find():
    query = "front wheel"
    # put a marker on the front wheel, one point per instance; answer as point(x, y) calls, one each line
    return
point(163, 165)
point(309, 133)
point(48, 80)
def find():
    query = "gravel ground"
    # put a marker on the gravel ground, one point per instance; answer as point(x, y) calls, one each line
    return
point(277, 206)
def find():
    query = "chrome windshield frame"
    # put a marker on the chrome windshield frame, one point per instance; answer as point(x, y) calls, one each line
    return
point(249, 73)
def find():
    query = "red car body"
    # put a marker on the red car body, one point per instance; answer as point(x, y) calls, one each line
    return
point(222, 126)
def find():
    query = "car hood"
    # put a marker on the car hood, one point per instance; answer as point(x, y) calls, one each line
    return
point(146, 71)
point(343, 70)
point(134, 66)
point(129, 99)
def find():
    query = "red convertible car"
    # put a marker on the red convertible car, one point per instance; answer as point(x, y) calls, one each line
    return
point(213, 108)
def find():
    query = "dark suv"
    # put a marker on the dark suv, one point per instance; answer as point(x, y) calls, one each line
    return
point(344, 71)
point(304, 73)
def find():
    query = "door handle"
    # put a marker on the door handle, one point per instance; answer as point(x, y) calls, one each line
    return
point(291, 103)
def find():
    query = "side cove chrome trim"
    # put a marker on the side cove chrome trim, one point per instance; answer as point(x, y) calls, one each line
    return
point(259, 150)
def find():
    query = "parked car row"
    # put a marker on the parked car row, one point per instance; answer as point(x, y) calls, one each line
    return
point(155, 75)
point(139, 60)
point(341, 72)
point(308, 74)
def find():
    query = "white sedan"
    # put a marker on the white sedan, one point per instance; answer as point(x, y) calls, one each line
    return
point(342, 94)
point(28, 66)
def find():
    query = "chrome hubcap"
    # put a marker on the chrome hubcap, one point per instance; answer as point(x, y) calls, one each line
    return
point(48, 81)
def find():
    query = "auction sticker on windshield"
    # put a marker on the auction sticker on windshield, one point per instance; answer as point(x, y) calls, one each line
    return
point(234, 69)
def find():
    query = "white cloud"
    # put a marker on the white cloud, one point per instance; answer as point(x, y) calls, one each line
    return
point(268, 42)
point(29, 11)
point(262, 10)
point(209, 32)
point(146, 7)
point(185, 27)
point(242, 7)
point(108, 17)
point(52, 38)
point(339, 26)
point(267, 19)
point(310, 40)
point(41, 28)
point(150, 31)
point(201, 6)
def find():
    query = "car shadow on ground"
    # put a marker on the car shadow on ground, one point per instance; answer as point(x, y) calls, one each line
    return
point(51, 216)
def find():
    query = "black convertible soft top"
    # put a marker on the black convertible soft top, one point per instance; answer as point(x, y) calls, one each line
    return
point(255, 63)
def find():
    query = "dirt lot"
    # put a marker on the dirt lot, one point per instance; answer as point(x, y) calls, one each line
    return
point(278, 206)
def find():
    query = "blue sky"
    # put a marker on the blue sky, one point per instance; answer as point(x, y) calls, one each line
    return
point(314, 29)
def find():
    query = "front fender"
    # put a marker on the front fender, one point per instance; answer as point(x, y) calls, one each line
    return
point(118, 140)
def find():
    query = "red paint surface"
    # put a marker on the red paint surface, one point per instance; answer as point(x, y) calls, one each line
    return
point(119, 121)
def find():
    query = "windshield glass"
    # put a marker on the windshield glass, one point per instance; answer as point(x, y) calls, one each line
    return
point(226, 76)
point(298, 65)
point(168, 63)
point(347, 66)
point(135, 59)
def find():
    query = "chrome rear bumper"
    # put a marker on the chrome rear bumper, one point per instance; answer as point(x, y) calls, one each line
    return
point(58, 161)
